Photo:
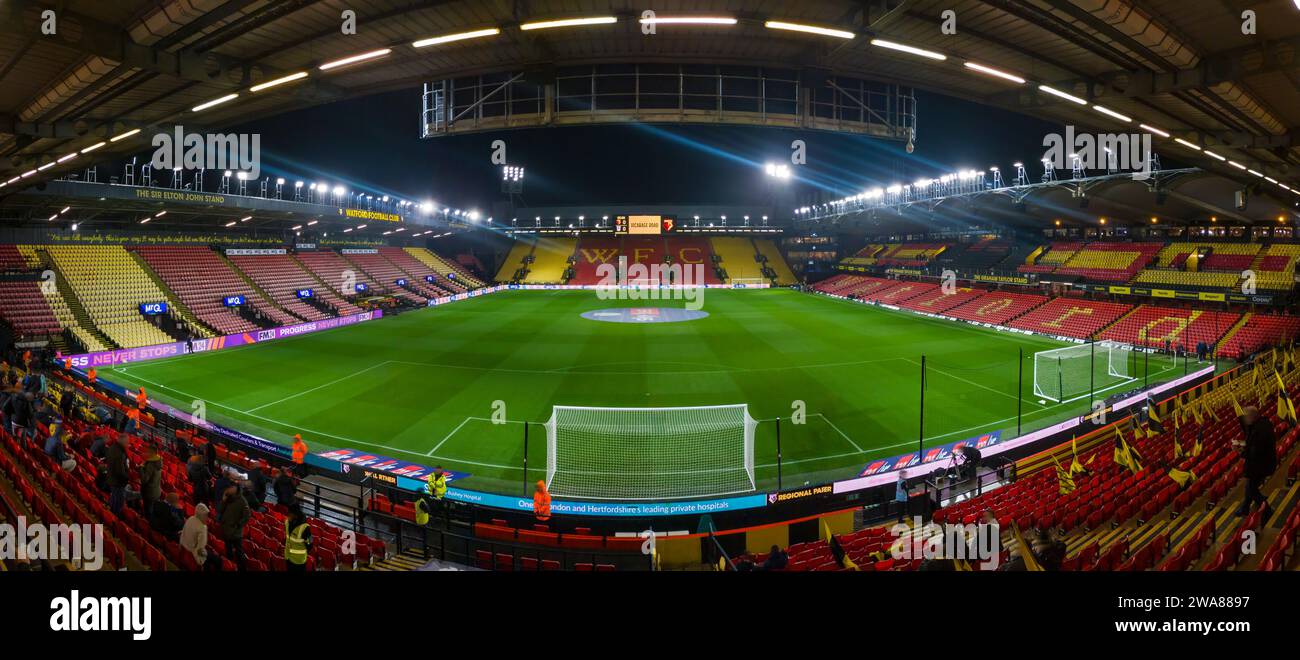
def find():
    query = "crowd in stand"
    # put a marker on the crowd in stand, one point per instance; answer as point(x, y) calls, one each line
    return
point(177, 487)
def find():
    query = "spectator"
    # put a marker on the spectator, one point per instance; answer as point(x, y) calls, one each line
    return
point(55, 450)
point(194, 537)
point(776, 559)
point(297, 540)
point(118, 473)
point(200, 479)
point(1259, 450)
point(285, 487)
point(233, 516)
point(541, 502)
point(20, 415)
point(901, 495)
point(151, 479)
point(256, 488)
point(210, 454)
point(67, 402)
point(220, 483)
point(165, 517)
point(99, 448)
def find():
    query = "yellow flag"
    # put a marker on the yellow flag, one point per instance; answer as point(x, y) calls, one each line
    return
point(1031, 562)
point(1209, 410)
point(1182, 477)
point(1236, 407)
point(1064, 481)
point(1075, 466)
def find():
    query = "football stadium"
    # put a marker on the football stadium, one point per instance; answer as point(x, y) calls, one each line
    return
point(888, 286)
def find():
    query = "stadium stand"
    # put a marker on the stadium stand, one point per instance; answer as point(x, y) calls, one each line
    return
point(1157, 326)
point(981, 255)
point(913, 255)
point(1071, 317)
point(334, 272)
point(416, 271)
point(513, 265)
point(382, 270)
point(24, 308)
point(591, 254)
point(775, 261)
point(1109, 262)
point(996, 307)
point(1259, 331)
point(551, 261)
point(1190, 279)
point(1055, 255)
point(463, 279)
point(899, 291)
point(693, 250)
point(12, 260)
point(111, 286)
point(201, 279)
point(738, 257)
point(1275, 266)
point(644, 250)
point(33, 261)
point(867, 255)
point(280, 278)
point(938, 301)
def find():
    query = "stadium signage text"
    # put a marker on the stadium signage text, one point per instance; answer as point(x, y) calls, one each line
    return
point(255, 252)
point(789, 495)
point(1001, 279)
point(370, 215)
point(154, 194)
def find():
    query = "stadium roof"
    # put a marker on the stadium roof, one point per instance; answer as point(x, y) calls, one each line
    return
point(1182, 68)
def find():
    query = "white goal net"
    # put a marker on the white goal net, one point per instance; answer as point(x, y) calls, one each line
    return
point(649, 453)
point(1066, 373)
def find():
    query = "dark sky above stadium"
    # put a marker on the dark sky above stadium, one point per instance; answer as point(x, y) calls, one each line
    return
point(372, 143)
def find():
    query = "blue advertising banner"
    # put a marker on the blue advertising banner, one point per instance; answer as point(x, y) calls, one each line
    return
point(932, 454)
point(345, 460)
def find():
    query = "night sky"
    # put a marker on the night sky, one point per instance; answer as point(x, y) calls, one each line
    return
point(373, 144)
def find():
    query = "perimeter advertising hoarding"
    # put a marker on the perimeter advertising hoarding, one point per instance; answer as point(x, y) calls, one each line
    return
point(931, 455)
point(159, 351)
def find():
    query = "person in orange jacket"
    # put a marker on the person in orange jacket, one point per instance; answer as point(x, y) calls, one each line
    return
point(141, 400)
point(92, 376)
point(541, 502)
point(299, 449)
point(27, 360)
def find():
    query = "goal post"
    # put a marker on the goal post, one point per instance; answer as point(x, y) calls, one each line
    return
point(650, 453)
point(1062, 374)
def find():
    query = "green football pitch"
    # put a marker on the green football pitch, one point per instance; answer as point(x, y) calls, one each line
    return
point(430, 386)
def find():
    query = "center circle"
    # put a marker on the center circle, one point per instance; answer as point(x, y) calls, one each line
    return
point(644, 315)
